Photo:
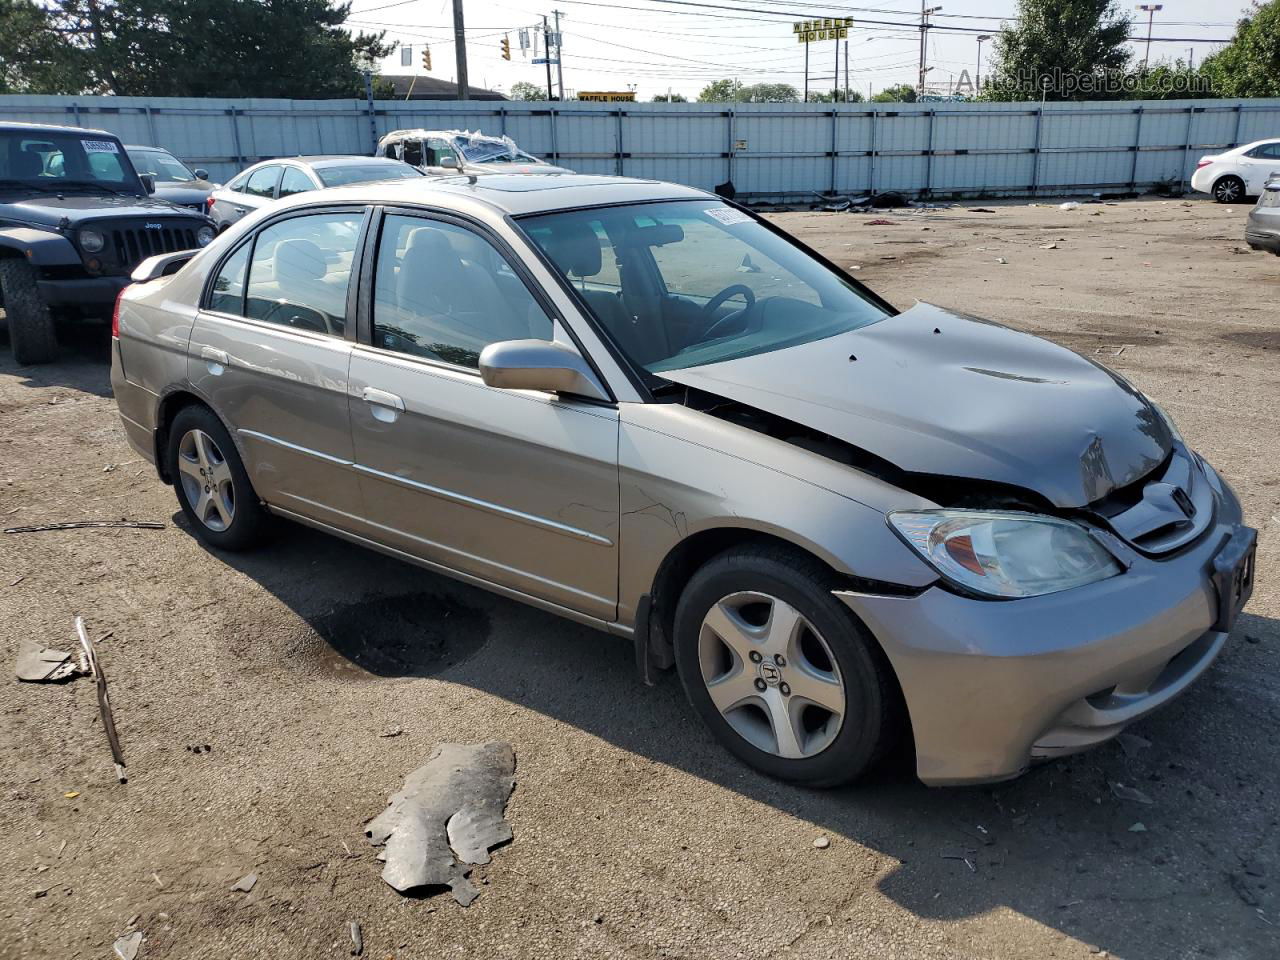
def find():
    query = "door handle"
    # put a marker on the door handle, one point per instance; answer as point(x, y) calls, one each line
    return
point(215, 360)
point(241, 210)
point(387, 407)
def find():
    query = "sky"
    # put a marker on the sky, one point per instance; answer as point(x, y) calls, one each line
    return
point(682, 45)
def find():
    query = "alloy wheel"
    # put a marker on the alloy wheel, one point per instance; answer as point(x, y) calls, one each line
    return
point(1228, 191)
point(206, 480)
point(771, 675)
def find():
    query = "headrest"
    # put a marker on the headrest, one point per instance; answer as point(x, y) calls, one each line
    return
point(27, 165)
point(430, 244)
point(299, 260)
point(575, 248)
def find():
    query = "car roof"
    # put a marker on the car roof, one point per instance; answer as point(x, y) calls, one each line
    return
point(513, 194)
point(16, 126)
point(143, 146)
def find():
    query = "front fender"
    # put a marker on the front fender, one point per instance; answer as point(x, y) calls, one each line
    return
point(675, 484)
point(41, 248)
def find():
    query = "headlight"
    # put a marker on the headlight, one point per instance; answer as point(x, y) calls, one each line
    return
point(91, 241)
point(1006, 554)
point(204, 236)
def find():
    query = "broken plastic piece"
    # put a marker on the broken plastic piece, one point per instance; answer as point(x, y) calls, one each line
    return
point(1130, 793)
point(245, 883)
point(87, 525)
point(37, 664)
point(448, 814)
point(357, 939)
point(104, 701)
point(126, 948)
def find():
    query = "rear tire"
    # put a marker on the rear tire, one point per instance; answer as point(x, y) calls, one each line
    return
point(815, 703)
point(1229, 189)
point(212, 485)
point(31, 331)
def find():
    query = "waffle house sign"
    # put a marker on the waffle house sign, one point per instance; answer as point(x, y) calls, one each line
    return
point(831, 28)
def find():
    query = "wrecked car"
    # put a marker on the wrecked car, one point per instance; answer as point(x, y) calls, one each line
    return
point(641, 407)
point(445, 152)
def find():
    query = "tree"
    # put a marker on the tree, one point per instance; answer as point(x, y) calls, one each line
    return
point(34, 57)
point(721, 91)
point(218, 48)
point(725, 91)
point(524, 90)
point(1061, 50)
point(898, 93)
point(1250, 65)
point(671, 98)
point(836, 96)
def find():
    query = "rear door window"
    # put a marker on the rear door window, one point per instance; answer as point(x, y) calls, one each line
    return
point(262, 183)
point(300, 271)
point(295, 181)
point(227, 295)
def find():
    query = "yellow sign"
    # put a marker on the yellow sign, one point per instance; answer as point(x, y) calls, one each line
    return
point(830, 28)
point(607, 96)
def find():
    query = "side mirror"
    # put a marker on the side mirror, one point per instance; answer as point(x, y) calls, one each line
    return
point(202, 173)
point(148, 182)
point(539, 365)
point(449, 163)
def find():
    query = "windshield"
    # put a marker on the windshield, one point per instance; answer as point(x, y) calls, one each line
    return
point(364, 172)
point(684, 283)
point(58, 162)
point(491, 150)
point(165, 167)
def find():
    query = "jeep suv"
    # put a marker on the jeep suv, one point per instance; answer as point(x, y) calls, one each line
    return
point(75, 220)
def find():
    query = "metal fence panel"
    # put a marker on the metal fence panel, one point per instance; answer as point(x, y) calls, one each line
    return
point(768, 151)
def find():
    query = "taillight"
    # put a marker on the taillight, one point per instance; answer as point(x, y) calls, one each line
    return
point(208, 203)
point(1203, 163)
point(115, 314)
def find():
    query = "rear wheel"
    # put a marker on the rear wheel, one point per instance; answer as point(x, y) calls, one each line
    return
point(780, 670)
point(212, 485)
point(31, 330)
point(1229, 189)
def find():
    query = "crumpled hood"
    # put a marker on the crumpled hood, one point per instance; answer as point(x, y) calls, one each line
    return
point(82, 207)
point(936, 392)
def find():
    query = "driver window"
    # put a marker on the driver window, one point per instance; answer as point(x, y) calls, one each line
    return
point(413, 152)
point(697, 265)
point(445, 293)
point(300, 270)
point(438, 150)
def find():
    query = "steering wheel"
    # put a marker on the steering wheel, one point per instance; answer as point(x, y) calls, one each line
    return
point(716, 302)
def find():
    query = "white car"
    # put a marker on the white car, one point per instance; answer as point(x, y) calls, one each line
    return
point(1238, 173)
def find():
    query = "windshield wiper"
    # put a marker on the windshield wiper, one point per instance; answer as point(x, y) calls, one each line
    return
point(27, 185)
point(72, 184)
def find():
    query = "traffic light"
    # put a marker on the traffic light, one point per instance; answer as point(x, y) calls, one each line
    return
point(506, 47)
point(426, 58)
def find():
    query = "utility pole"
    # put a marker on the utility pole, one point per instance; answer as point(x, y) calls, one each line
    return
point(806, 71)
point(925, 13)
point(835, 79)
point(559, 56)
point(977, 74)
point(460, 48)
point(546, 49)
point(1150, 9)
point(846, 71)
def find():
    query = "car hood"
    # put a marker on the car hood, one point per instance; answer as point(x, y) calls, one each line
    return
point(184, 193)
point(936, 392)
point(51, 209)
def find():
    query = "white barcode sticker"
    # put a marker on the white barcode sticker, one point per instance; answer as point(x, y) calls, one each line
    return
point(99, 146)
point(727, 215)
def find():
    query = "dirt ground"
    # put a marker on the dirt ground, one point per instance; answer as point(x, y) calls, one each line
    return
point(635, 835)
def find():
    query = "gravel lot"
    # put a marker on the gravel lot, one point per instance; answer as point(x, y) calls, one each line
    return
point(635, 835)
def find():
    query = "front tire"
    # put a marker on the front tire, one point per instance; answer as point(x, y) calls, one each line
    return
point(784, 675)
point(212, 485)
point(1229, 189)
point(31, 331)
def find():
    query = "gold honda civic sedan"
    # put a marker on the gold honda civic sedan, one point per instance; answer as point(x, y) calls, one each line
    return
point(647, 409)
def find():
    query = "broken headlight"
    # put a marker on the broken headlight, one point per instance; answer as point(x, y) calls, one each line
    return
point(1006, 554)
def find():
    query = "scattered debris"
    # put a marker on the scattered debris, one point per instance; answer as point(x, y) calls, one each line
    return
point(87, 525)
point(891, 199)
point(1132, 744)
point(1130, 793)
point(104, 701)
point(357, 939)
point(245, 883)
point(980, 210)
point(448, 814)
point(14, 583)
point(1241, 886)
point(126, 948)
point(1069, 205)
point(37, 664)
point(1138, 827)
point(1001, 260)
point(957, 856)
point(71, 794)
point(1120, 351)
point(880, 222)
point(1250, 638)
point(392, 732)
point(1048, 246)
point(821, 843)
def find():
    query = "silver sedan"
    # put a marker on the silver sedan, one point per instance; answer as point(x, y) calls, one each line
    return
point(648, 410)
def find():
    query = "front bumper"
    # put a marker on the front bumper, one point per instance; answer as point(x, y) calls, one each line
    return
point(91, 293)
point(991, 685)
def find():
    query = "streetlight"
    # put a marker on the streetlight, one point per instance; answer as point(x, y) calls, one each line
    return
point(977, 76)
point(1150, 10)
